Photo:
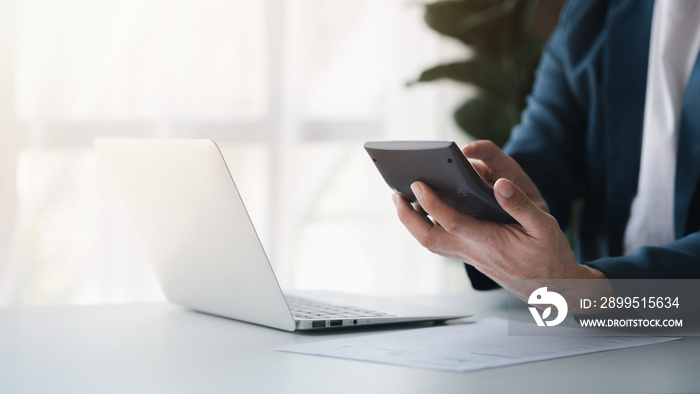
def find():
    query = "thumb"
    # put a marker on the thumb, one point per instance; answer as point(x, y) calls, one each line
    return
point(520, 207)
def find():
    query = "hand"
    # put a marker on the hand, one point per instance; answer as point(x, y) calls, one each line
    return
point(492, 164)
point(533, 249)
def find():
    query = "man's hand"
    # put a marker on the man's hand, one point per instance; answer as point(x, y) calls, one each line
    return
point(533, 249)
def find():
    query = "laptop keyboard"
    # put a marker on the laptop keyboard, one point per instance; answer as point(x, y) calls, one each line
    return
point(303, 308)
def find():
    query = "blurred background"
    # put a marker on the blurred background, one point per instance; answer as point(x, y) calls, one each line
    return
point(289, 88)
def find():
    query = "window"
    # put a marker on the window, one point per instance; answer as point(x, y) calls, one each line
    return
point(289, 88)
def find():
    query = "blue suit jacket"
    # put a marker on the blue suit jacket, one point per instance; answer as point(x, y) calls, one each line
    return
point(581, 136)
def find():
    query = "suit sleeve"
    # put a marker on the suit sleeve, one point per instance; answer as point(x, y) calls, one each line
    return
point(550, 145)
point(552, 140)
point(678, 260)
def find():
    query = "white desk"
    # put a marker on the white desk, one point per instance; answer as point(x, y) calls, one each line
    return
point(162, 348)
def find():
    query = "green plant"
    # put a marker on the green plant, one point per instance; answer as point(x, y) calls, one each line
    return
point(506, 38)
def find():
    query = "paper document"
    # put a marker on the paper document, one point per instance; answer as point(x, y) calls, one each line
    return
point(465, 347)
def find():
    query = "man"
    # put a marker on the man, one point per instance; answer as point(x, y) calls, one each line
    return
point(587, 136)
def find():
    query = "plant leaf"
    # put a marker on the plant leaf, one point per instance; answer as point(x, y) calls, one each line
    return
point(507, 38)
point(483, 70)
point(487, 25)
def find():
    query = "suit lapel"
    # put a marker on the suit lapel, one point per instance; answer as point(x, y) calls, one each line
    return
point(688, 156)
point(624, 91)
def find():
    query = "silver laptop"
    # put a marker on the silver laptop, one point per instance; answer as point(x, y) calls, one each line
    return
point(204, 249)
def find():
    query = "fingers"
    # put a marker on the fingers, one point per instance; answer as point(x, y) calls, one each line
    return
point(430, 236)
point(495, 164)
point(483, 170)
point(534, 220)
point(489, 153)
point(453, 221)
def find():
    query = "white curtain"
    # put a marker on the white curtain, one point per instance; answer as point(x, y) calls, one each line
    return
point(289, 88)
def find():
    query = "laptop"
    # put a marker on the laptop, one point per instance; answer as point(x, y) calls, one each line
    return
point(205, 252)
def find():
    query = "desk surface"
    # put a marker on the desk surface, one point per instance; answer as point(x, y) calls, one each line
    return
point(165, 348)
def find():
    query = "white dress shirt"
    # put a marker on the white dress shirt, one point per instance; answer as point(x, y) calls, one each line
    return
point(675, 39)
